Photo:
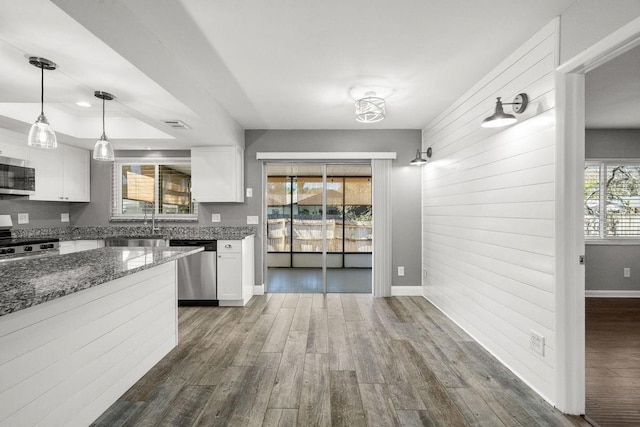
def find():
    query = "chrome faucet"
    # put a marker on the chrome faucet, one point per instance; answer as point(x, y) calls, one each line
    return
point(153, 218)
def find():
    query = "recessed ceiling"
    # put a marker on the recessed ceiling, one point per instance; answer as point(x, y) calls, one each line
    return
point(224, 66)
point(612, 93)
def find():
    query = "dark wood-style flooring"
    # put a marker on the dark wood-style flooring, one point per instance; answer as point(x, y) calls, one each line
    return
point(613, 361)
point(336, 359)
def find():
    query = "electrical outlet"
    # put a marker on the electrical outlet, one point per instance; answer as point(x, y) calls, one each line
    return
point(23, 218)
point(215, 217)
point(249, 192)
point(252, 219)
point(537, 342)
point(627, 272)
point(64, 217)
point(401, 270)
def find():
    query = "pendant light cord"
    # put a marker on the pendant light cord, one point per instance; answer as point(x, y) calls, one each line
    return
point(103, 116)
point(41, 90)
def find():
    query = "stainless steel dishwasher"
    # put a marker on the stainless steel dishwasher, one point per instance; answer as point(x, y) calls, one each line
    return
point(197, 274)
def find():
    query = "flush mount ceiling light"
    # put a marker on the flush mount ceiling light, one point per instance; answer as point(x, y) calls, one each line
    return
point(41, 134)
point(419, 160)
point(84, 104)
point(103, 150)
point(370, 109)
point(500, 118)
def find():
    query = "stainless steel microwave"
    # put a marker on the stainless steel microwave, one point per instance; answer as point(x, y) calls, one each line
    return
point(16, 177)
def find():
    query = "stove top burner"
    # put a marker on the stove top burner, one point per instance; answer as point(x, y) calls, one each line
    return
point(5, 243)
point(14, 249)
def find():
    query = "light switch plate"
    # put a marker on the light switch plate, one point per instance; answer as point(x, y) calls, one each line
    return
point(23, 218)
point(252, 219)
point(401, 270)
point(215, 217)
point(64, 217)
point(249, 192)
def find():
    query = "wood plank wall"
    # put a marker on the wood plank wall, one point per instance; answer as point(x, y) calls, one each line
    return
point(66, 361)
point(488, 213)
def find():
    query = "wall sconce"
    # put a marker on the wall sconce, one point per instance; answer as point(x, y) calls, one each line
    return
point(500, 118)
point(419, 160)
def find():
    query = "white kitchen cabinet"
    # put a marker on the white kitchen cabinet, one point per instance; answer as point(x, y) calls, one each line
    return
point(70, 246)
point(236, 274)
point(13, 150)
point(217, 174)
point(61, 174)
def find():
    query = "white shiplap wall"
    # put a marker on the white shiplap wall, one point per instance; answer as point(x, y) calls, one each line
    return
point(488, 213)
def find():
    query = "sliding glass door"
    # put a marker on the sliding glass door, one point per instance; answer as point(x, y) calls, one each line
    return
point(319, 227)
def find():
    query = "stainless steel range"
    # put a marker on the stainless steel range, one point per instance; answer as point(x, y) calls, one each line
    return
point(18, 249)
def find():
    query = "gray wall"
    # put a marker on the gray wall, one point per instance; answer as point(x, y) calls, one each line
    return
point(406, 186)
point(41, 214)
point(605, 263)
point(588, 21)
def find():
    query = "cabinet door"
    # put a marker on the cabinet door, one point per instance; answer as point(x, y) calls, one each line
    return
point(67, 247)
point(16, 151)
point(49, 174)
point(229, 276)
point(76, 175)
point(217, 174)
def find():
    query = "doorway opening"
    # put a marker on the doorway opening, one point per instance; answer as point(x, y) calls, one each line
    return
point(319, 227)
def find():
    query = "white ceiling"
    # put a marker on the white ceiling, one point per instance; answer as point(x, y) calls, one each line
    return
point(226, 65)
point(612, 93)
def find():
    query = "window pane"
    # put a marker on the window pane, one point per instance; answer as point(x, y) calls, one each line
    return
point(592, 201)
point(278, 213)
point(307, 214)
point(623, 202)
point(138, 188)
point(175, 190)
point(358, 224)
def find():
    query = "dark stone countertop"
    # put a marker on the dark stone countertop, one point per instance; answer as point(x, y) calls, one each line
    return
point(26, 283)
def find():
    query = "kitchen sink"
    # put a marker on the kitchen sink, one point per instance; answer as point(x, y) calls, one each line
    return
point(135, 241)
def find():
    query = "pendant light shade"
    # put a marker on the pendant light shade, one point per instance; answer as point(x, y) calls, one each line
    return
point(103, 150)
point(41, 134)
point(500, 118)
point(370, 109)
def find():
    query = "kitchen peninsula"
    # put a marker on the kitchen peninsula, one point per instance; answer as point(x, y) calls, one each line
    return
point(77, 330)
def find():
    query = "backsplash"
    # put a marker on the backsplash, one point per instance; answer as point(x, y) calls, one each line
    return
point(170, 232)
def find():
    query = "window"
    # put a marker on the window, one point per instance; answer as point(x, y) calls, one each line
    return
point(142, 187)
point(294, 214)
point(612, 200)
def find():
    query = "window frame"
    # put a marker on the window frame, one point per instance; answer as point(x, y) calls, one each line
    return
point(602, 238)
point(116, 190)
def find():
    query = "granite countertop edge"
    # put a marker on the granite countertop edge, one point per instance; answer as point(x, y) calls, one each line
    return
point(20, 301)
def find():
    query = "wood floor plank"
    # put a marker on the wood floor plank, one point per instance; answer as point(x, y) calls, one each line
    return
point(281, 418)
point(302, 315)
point(152, 411)
point(334, 305)
point(340, 355)
point(366, 363)
point(346, 405)
point(290, 301)
point(260, 387)
point(318, 331)
point(275, 341)
point(405, 396)
point(218, 410)
point(416, 419)
point(315, 402)
point(377, 404)
point(250, 350)
point(319, 301)
point(350, 308)
point(274, 303)
point(288, 383)
point(475, 410)
point(187, 405)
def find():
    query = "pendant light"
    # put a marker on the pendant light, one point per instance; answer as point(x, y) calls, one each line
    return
point(41, 134)
point(103, 150)
point(500, 118)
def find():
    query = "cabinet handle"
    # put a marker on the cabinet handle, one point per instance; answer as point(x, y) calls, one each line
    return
point(61, 198)
point(66, 198)
point(227, 246)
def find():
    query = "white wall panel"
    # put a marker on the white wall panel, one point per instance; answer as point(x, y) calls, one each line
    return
point(488, 204)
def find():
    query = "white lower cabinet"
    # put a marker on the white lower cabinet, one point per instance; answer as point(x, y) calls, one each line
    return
point(70, 246)
point(236, 274)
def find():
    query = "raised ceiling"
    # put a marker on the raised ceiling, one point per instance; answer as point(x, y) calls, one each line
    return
point(226, 65)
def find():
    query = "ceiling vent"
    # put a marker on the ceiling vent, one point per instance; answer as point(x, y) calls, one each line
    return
point(177, 124)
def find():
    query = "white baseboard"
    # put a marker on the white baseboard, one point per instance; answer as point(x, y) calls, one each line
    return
point(258, 289)
point(406, 291)
point(612, 294)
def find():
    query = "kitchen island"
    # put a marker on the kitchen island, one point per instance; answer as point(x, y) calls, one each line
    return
point(77, 330)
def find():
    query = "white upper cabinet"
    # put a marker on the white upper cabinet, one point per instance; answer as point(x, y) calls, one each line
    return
point(217, 174)
point(61, 174)
point(16, 151)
